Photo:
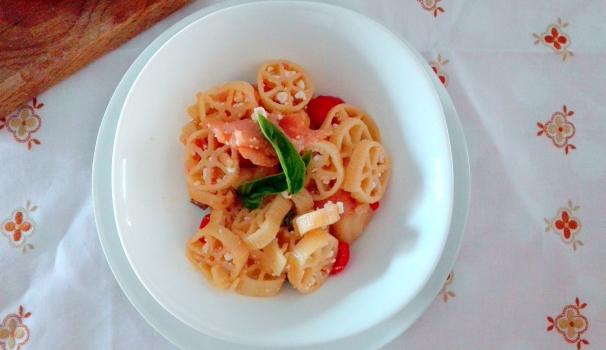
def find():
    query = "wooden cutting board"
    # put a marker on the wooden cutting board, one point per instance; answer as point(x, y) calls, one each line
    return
point(45, 41)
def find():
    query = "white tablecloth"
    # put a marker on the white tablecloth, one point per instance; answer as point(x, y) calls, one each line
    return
point(528, 79)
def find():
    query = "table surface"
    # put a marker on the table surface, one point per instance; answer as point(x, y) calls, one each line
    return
point(528, 80)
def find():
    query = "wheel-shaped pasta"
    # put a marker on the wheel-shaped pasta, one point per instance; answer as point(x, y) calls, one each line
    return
point(311, 260)
point(259, 227)
point(348, 134)
point(187, 130)
point(368, 172)
point(233, 100)
point(220, 199)
point(303, 202)
point(255, 282)
point(284, 87)
point(209, 165)
point(326, 173)
point(287, 240)
point(318, 218)
point(224, 216)
point(218, 253)
point(271, 258)
point(339, 113)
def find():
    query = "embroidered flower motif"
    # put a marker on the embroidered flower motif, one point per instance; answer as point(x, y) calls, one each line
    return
point(566, 225)
point(571, 324)
point(13, 333)
point(556, 39)
point(24, 123)
point(437, 68)
point(559, 129)
point(18, 227)
point(444, 291)
point(431, 5)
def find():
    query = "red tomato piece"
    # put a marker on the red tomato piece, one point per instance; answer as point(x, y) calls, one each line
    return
point(199, 143)
point(342, 258)
point(374, 206)
point(205, 221)
point(318, 108)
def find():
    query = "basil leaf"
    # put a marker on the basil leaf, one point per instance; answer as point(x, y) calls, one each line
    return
point(291, 161)
point(253, 192)
point(254, 201)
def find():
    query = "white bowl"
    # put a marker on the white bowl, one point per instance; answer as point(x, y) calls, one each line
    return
point(347, 55)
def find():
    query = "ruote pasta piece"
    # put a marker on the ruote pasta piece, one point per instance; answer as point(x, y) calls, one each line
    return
point(284, 87)
point(218, 253)
point(224, 216)
point(254, 281)
point(271, 258)
point(325, 172)
point(318, 218)
point(232, 101)
point(187, 130)
point(220, 199)
point(209, 165)
point(339, 113)
point(287, 240)
point(259, 227)
point(311, 261)
point(368, 172)
point(347, 135)
point(303, 201)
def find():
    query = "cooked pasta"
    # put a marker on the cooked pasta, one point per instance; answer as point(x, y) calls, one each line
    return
point(284, 87)
point(274, 218)
point(368, 172)
point(343, 112)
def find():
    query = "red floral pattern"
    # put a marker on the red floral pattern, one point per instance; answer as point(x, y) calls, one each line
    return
point(24, 123)
point(437, 68)
point(18, 227)
point(571, 324)
point(555, 38)
point(566, 225)
point(444, 291)
point(431, 5)
point(13, 333)
point(559, 129)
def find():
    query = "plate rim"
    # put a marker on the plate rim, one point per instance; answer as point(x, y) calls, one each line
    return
point(281, 339)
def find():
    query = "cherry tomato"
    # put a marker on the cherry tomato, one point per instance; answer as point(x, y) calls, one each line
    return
point(374, 206)
point(203, 223)
point(342, 258)
point(318, 108)
point(199, 143)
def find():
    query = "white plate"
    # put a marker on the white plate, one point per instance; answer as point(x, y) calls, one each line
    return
point(358, 60)
point(186, 337)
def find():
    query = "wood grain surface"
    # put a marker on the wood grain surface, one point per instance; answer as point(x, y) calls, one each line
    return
point(45, 41)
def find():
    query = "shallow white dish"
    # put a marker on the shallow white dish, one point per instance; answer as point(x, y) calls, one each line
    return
point(154, 218)
point(186, 337)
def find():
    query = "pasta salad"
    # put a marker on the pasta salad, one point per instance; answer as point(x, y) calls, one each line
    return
point(291, 181)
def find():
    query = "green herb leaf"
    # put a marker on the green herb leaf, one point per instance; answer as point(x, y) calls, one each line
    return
point(255, 191)
point(291, 161)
